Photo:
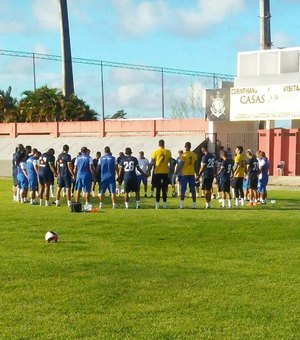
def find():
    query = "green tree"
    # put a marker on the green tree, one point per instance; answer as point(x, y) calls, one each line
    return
point(76, 109)
point(41, 105)
point(50, 105)
point(120, 114)
point(8, 106)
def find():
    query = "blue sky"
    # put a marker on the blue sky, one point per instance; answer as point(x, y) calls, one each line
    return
point(193, 34)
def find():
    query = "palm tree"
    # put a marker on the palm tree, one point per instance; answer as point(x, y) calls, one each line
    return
point(67, 70)
point(8, 106)
point(41, 105)
point(49, 105)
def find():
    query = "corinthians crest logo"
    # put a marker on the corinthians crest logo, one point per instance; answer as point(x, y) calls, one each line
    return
point(218, 106)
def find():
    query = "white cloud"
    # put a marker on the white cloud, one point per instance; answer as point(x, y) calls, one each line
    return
point(9, 21)
point(195, 21)
point(143, 99)
point(9, 27)
point(46, 13)
point(124, 76)
point(141, 17)
point(248, 41)
point(40, 49)
point(282, 39)
point(128, 94)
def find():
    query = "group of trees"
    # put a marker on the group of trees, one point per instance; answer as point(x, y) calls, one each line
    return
point(43, 105)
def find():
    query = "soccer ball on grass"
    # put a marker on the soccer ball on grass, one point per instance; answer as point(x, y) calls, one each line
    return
point(51, 237)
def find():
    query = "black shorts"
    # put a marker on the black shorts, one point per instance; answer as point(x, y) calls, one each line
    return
point(45, 178)
point(64, 181)
point(238, 183)
point(207, 183)
point(224, 186)
point(253, 181)
point(120, 178)
point(219, 183)
point(14, 175)
point(160, 181)
point(131, 185)
point(172, 179)
point(51, 178)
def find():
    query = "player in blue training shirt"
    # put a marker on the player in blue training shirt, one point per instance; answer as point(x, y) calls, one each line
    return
point(84, 172)
point(32, 174)
point(107, 166)
point(65, 173)
point(22, 178)
point(128, 166)
point(263, 176)
point(207, 171)
point(252, 174)
point(20, 150)
point(46, 173)
point(224, 174)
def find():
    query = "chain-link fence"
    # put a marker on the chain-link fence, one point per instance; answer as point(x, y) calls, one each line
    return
point(108, 87)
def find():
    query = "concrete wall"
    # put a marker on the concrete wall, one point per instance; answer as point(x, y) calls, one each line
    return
point(281, 145)
point(118, 134)
point(122, 127)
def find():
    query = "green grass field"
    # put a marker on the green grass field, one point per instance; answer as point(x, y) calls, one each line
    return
point(151, 274)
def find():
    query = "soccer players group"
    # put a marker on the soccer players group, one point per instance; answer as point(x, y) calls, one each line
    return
point(36, 171)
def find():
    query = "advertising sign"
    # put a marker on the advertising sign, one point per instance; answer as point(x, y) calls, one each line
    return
point(275, 102)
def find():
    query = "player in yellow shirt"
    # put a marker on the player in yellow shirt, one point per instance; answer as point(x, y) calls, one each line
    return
point(160, 160)
point(238, 175)
point(188, 171)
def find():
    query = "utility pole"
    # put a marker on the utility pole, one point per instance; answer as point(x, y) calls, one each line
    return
point(265, 25)
point(67, 69)
point(265, 42)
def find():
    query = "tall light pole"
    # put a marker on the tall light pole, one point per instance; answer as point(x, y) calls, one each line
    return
point(265, 42)
point(67, 69)
point(265, 25)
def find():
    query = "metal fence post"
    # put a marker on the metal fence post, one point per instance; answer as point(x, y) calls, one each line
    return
point(162, 94)
point(102, 92)
point(34, 73)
